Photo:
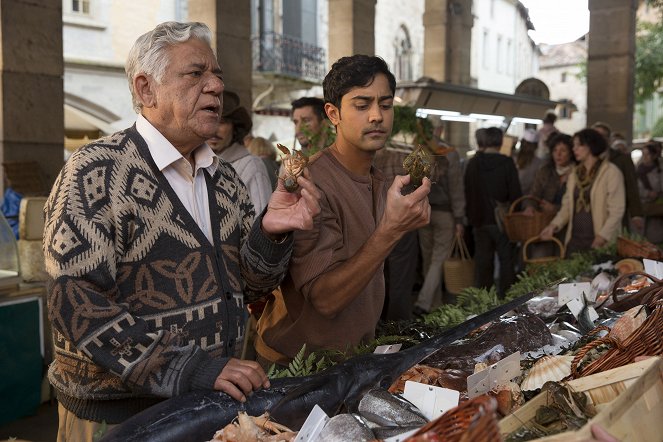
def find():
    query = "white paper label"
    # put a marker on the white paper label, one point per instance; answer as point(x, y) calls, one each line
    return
point(431, 400)
point(385, 349)
point(576, 306)
point(313, 425)
point(654, 268)
point(567, 292)
point(498, 374)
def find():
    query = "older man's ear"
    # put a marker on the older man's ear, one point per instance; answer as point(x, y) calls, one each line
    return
point(143, 87)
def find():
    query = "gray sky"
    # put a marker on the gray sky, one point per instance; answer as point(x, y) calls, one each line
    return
point(558, 21)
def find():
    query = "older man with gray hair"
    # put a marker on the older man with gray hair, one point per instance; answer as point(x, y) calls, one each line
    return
point(151, 247)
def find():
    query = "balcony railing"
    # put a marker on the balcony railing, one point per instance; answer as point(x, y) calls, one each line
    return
point(278, 54)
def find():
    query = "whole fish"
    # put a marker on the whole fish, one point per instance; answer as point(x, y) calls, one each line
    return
point(345, 427)
point(197, 415)
point(385, 409)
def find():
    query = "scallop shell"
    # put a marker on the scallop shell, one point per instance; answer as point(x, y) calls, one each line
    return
point(548, 368)
point(628, 323)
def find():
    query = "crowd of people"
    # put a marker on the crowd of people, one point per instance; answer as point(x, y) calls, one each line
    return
point(157, 236)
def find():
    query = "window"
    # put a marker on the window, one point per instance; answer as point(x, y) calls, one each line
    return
point(563, 77)
point(81, 7)
point(403, 54)
point(509, 57)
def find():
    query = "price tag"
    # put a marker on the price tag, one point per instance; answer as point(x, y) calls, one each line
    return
point(313, 425)
point(431, 400)
point(576, 306)
point(500, 373)
point(567, 292)
point(385, 349)
point(654, 268)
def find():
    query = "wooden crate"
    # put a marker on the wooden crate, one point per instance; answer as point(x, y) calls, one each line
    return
point(629, 401)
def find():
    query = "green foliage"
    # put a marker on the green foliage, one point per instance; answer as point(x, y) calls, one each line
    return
point(407, 124)
point(327, 133)
point(648, 60)
point(301, 365)
point(657, 130)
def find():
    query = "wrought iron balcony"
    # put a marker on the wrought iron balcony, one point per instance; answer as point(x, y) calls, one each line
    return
point(279, 54)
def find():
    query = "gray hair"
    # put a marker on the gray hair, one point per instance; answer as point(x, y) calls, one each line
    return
point(148, 54)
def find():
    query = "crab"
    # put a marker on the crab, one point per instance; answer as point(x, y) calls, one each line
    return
point(294, 164)
point(418, 164)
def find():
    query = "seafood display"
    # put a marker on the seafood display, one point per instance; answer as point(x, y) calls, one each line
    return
point(522, 333)
point(197, 415)
point(551, 338)
point(294, 164)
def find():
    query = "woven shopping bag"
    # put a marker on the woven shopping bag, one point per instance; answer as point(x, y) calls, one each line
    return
point(459, 267)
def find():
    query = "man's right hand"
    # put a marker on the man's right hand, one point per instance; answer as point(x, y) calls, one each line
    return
point(240, 377)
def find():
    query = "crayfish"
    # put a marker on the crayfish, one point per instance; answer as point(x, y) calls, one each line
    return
point(294, 164)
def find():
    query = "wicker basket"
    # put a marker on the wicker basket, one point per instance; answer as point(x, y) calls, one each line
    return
point(473, 420)
point(629, 248)
point(458, 268)
point(647, 340)
point(532, 263)
point(520, 227)
point(646, 295)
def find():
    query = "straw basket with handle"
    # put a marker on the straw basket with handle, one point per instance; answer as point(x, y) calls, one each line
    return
point(532, 262)
point(458, 267)
point(520, 227)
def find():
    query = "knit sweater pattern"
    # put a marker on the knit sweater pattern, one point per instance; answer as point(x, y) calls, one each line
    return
point(142, 306)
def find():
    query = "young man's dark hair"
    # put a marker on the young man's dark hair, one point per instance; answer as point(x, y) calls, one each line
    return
point(351, 72)
point(317, 104)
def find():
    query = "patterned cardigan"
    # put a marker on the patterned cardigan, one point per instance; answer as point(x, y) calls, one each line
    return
point(142, 306)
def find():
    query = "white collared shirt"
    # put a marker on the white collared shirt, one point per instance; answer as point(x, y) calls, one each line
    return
point(190, 186)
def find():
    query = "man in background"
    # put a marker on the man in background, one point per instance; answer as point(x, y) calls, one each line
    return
point(634, 214)
point(311, 124)
point(228, 144)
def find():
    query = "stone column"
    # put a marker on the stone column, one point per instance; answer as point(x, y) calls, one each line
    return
point(32, 91)
point(459, 42)
point(351, 28)
point(611, 64)
point(435, 40)
point(230, 22)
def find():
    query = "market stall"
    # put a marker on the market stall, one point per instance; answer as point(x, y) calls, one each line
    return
point(568, 340)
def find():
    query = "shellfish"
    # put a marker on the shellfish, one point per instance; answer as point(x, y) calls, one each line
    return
point(628, 323)
point(418, 164)
point(548, 368)
point(294, 164)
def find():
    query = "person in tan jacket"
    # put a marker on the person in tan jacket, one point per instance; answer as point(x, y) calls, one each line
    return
point(594, 201)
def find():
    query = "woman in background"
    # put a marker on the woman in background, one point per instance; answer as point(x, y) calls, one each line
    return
point(550, 181)
point(594, 201)
point(264, 149)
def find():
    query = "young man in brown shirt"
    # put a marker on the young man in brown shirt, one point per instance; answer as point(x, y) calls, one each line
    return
point(332, 295)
